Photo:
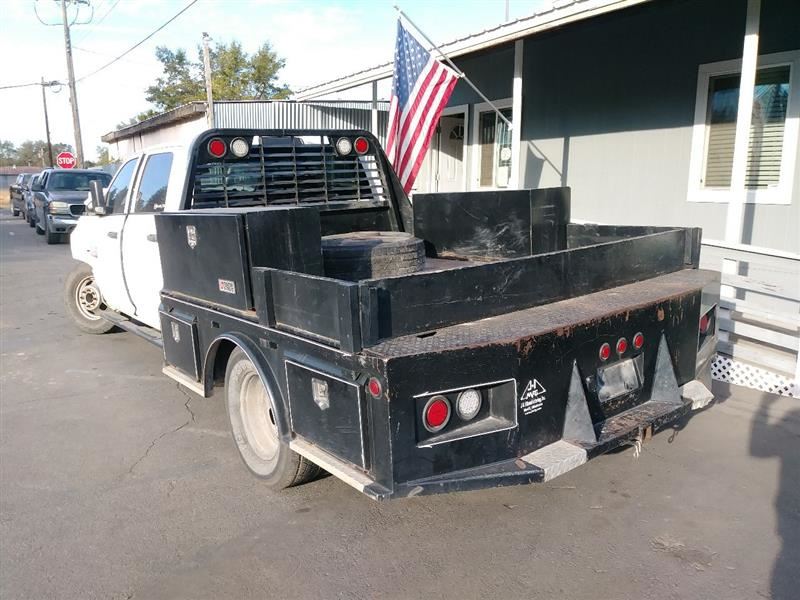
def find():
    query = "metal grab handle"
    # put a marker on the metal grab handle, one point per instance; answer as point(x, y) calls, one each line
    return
point(151, 237)
point(112, 235)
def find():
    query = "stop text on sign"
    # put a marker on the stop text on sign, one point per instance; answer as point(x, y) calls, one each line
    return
point(66, 160)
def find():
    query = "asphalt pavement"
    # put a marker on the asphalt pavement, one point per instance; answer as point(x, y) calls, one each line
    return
point(116, 483)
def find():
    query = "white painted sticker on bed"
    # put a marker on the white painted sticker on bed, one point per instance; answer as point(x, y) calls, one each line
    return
point(533, 397)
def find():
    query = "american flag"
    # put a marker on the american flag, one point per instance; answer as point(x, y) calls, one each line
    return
point(421, 87)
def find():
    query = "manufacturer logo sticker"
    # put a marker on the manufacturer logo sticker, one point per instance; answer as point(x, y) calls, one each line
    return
point(533, 397)
point(176, 333)
point(191, 236)
point(227, 286)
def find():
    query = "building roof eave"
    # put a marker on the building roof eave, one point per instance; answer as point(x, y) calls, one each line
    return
point(561, 13)
point(185, 112)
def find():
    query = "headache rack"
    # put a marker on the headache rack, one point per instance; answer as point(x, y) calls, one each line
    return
point(286, 167)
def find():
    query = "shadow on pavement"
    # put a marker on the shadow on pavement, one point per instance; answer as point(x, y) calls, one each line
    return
point(768, 440)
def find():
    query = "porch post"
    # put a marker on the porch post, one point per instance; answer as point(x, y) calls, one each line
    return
point(744, 115)
point(375, 109)
point(516, 116)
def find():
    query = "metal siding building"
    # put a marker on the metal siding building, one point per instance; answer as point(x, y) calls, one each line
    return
point(183, 123)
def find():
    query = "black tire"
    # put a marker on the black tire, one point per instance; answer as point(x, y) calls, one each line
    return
point(372, 254)
point(249, 404)
point(39, 230)
point(50, 237)
point(29, 218)
point(80, 295)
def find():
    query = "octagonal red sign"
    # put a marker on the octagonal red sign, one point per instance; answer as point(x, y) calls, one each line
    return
point(66, 160)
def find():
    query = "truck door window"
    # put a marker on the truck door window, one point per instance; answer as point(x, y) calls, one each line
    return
point(118, 190)
point(153, 186)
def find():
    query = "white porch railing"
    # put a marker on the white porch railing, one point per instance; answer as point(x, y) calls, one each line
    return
point(759, 316)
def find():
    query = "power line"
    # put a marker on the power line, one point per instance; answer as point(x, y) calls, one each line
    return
point(139, 43)
point(20, 85)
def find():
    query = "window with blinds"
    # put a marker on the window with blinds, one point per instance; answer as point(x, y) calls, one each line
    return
point(494, 138)
point(765, 148)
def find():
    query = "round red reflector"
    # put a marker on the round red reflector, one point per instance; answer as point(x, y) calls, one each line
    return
point(638, 341)
point(622, 346)
point(605, 352)
point(374, 387)
point(704, 323)
point(361, 145)
point(217, 148)
point(436, 413)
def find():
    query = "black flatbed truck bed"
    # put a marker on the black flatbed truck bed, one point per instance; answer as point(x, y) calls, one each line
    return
point(521, 318)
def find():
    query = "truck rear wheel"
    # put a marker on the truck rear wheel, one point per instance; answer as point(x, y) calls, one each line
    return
point(253, 424)
point(82, 300)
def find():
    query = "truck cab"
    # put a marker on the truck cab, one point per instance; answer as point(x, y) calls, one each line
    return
point(120, 247)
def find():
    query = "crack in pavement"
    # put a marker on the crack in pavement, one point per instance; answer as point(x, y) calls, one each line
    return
point(191, 419)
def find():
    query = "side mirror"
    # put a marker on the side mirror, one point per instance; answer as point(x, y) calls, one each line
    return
point(98, 197)
point(37, 187)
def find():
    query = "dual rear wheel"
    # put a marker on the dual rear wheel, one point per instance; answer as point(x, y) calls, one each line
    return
point(253, 418)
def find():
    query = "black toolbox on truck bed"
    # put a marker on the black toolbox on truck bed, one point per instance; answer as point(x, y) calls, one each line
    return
point(208, 253)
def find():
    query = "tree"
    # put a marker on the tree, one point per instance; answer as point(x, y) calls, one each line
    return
point(7, 153)
point(235, 75)
point(180, 83)
point(30, 153)
point(103, 155)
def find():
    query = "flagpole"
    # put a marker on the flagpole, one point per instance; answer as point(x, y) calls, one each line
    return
point(461, 73)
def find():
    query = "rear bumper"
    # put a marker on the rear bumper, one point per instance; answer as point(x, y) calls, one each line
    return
point(631, 428)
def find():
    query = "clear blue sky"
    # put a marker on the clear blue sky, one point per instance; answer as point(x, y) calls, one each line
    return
point(319, 39)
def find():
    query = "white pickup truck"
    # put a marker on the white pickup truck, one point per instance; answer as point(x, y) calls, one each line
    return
point(118, 252)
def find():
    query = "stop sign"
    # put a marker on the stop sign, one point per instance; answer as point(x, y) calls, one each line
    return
point(66, 160)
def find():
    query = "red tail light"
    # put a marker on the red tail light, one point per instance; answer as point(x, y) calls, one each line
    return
point(217, 148)
point(361, 145)
point(638, 341)
point(705, 321)
point(374, 387)
point(436, 413)
point(622, 346)
point(605, 352)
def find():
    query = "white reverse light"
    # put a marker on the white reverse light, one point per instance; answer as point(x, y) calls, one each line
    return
point(344, 146)
point(468, 404)
point(240, 148)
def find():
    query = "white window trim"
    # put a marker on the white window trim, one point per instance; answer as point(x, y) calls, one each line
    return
point(449, 112)
point(475, 147)
point(782, 193)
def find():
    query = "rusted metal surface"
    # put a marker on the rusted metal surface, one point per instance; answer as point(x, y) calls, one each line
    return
point(561, 317)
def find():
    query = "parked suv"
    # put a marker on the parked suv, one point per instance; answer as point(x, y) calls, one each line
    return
point(27, 200)
point(16, 192)
point(58, 200)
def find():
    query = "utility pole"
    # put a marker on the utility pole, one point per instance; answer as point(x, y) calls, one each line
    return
point(73, 96)
point(207, 69)
point(47, 123)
